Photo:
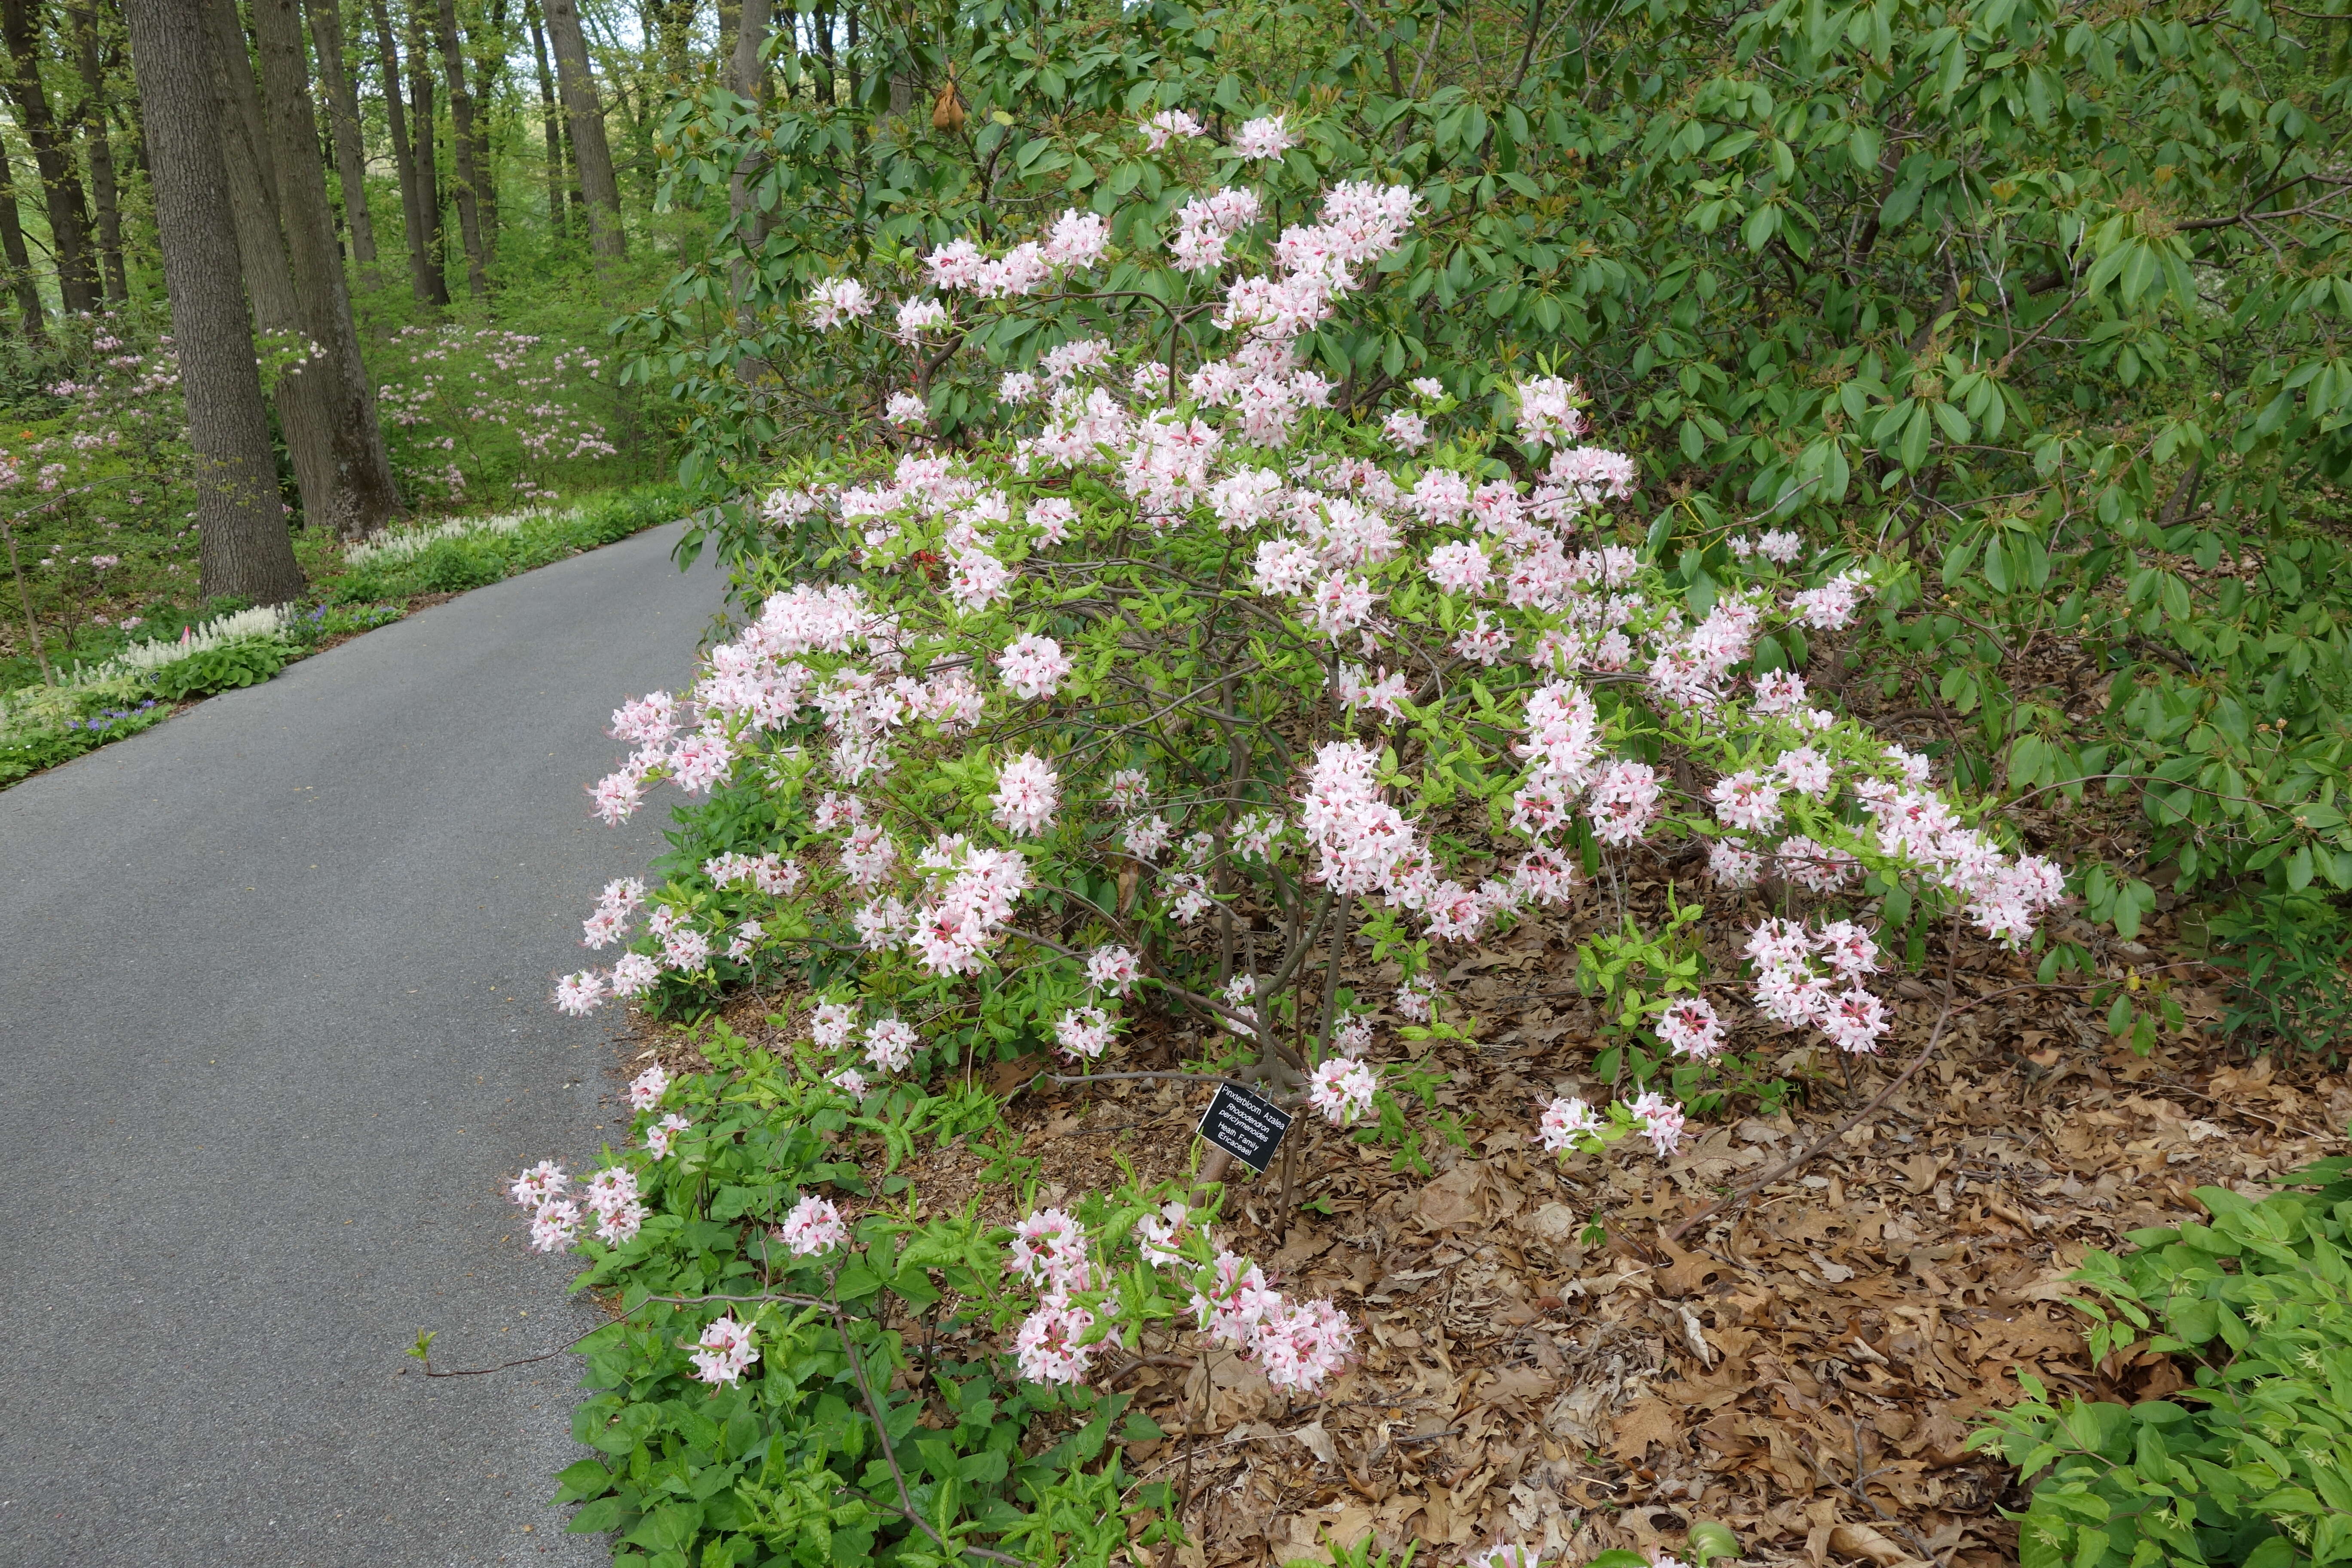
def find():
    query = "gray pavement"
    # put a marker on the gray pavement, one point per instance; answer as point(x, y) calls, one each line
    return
point(273, 1025)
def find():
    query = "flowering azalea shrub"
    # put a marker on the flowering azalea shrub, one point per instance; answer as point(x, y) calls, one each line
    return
point(1184, 680)
point(1168, 695)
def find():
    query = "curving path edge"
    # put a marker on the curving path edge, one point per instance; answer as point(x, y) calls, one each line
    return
point(273, 1025)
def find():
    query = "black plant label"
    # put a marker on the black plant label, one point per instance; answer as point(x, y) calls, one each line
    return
point(1245, 1126)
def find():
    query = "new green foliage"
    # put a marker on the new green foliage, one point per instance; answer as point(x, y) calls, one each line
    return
point(2252, 1463)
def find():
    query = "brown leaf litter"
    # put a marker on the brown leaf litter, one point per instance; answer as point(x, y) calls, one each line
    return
point(1805, 1367)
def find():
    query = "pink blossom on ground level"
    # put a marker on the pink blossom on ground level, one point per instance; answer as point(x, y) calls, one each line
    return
point(1046, 1347)
point(1567, 1122)
point(658, 1136)
point(1084, 1032)
point(813, 1226)
point(1342, 1090)
point(647, 1088)
point(535, 1186)
point(1661, 1122)
point(724, 1352)
point(890, 1044)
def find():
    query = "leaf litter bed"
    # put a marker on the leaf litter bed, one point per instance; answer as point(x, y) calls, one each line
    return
point(1805, 1365)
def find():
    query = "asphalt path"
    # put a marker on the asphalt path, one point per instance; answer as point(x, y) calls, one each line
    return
point(273, 1026)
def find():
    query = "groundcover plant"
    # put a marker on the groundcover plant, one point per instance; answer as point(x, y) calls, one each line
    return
point(1164, 695)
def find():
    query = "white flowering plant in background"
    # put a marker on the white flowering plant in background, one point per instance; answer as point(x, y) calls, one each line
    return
point(1187, 687)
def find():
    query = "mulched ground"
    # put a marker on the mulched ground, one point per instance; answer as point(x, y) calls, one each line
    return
point(1805, 1366)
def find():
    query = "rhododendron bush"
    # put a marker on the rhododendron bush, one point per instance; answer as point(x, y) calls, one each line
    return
point(1180, 694)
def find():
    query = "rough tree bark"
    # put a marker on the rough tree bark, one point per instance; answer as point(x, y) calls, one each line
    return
point(343, 112)
point(747, 74)
point(306, 402)
point(21, 281)
point(463, 146)
point(61, 191)
point(586, 115)
point(428, 155)
point(363, 497)
point(423, 282)
point(92, 65)
point(488, 45)
point(243, 547)
point(549, 121)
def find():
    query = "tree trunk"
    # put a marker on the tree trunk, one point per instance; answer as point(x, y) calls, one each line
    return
point(462, 144)
point(362, 497)
point(487, 44)
point(68, 210)
point(428, 155)
point(602, 192)
point(350, 152)
point(306, 402)
point(423, 281)
point(549, 121)
point(243, 547)
point(27, 288)
point(747, 75)
point(94, 130)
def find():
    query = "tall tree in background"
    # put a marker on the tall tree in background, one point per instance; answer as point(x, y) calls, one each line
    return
point(243, 546)
point(551, 123)
point(304, 393)
point(747, 74)
point(343, 113)
point(21, 281)
point(90, 60)
point(489, 42)
point(61, 187)
point(425, 278)
point(360, 496)
point(464, 149)
point(428, 154)
point(600, 191)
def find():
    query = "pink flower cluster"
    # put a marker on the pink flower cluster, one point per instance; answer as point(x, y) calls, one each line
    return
point(1298, 1344)
point(1028, 794)
point(725, 1351)
point(2005, 897)
point(1084, 1032)
point(1049, 1251)
point(1265, 137)
point(813, 1226)
point(1342, 1090)
point(838, 300)
point(1568, 1123)
point(1205, 223)
point(1799, 972)
point(611, 1196)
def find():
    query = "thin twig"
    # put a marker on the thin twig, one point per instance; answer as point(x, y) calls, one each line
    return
point(526, 1361)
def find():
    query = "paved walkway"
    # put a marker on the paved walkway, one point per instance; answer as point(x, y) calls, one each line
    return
point(273, 1024)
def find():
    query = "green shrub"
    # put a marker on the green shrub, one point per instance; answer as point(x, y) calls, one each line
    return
point(454, 565)
point(2288, 949)
point(247, 661)
point(2252, 1463)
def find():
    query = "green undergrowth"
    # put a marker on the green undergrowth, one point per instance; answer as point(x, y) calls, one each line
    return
point(2250, 1462)
point(813, 1459)
point(481, 555)
point(128, 689)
